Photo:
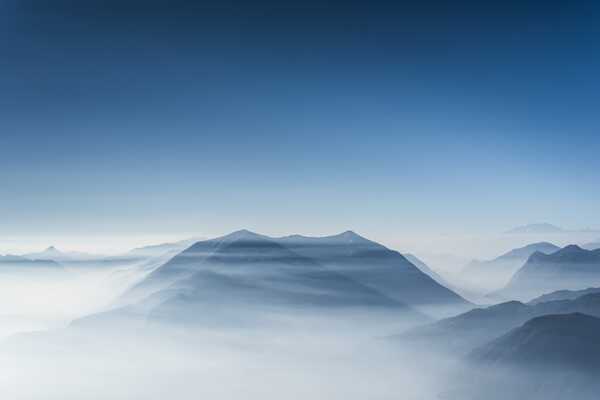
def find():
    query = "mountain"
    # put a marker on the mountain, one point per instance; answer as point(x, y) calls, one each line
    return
point(552, 357)
point(241, 275)
point(379, 268)
point(414, 260)
point(563, 295)
point(491, 275)
point(592, 246)
point(536, 228)
point(161, 249)
point(19, 263)
point(563, 340)
point(570, 268)
point(52, 253)
point(477, 327)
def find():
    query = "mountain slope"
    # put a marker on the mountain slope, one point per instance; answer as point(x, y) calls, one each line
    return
point(477, 327)
point(417, 262)
point(562, 340)
point(592, 246)
point(243, 273)
point(571, 268)
point(563, 295)
point(380, 268)
point(553, 357)
point(494, 274)
point(161, 249)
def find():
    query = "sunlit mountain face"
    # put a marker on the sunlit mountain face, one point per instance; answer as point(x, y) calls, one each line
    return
point(299, 200)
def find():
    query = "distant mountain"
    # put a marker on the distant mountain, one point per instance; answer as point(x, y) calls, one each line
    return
point(52, 253)
point(20, 262)
point(31, 271)
point(570, 268)
point(536, 228)
point(243, 274)
point(477, 327)
point(494, 274)
point(592, 246)
point(563, 340)
point(162, 249)
point(563, 295)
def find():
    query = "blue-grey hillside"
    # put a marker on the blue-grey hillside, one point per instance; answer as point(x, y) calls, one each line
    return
point(243, 274)
point(563, 295)
point(380, 268)
point(571, 268)
point(560, 340)
point(552, 357)
point(494, 274)
point(477, 327)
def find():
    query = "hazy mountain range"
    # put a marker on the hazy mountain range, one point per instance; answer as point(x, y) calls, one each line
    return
point(54, 254)
point(23, 262)
point(552, 357)
point(592, 246)
point(569, 268)
point(475, 328)
point(494, 274)
point(246, 280)
point(545, 228)
point(572, 337)
point(536, 228)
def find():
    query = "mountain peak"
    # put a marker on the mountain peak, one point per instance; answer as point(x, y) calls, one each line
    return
point(537, 228)
point(350, 236)
point(244, 234)
point(572, 248)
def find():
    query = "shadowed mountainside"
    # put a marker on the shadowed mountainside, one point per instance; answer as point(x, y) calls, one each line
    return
point(570, 268)
point(477, 327)
point(494, 274)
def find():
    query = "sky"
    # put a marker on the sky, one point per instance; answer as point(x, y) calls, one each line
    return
point(165, 119)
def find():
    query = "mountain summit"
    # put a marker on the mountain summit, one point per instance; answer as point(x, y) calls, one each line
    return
point(343, 270)
point(494, 274)
point(536, 228)
point(569, 268)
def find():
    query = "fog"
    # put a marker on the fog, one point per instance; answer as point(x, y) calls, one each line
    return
point(292, 358)
point(254, 322)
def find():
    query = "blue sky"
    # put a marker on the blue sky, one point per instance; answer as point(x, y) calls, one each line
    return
point(132, 118)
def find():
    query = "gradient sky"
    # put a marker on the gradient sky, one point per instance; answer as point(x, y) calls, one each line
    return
point(168, 117)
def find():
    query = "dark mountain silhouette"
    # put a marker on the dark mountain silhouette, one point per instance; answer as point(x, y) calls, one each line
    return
point(244, 273)
point(563, 295)
point(495, 274)
point(477, 327)
point(417, 262)
point(552, 357)
point(570, 268)
point(562, 340)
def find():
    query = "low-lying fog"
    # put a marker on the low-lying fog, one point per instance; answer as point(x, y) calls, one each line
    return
point(219, 365)
point(333, 356)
